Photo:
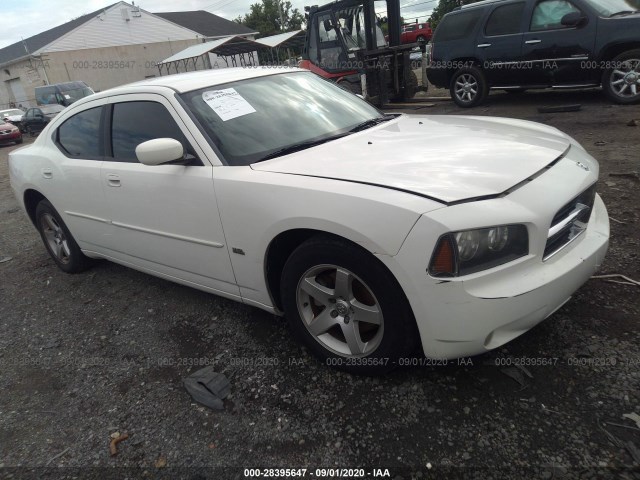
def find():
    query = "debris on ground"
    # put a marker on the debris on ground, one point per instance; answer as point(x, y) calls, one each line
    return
point(515, 374)
point(161, 462)
point(634, 417)
point(5, 259)
point(633, 123)
point(560, 108)
point(115, 440)
point(632, 175)
point(208, 388)
point(627, 280)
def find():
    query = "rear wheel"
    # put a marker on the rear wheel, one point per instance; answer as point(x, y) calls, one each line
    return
point(346, 307)
point(469, 87)
point(622, 82)
point(58, 240)
point(421, 38)
point(19, 141)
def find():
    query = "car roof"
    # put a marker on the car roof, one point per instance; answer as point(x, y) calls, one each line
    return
point(186, 82)
point(481, 4)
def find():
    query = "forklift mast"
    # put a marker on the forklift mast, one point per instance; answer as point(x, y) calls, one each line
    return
point(344, 43)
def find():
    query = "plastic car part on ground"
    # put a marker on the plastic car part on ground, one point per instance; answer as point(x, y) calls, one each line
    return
point(208, 388)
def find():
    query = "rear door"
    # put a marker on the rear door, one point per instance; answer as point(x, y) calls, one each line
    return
point(164, 218)
point(499, 45)
point(557, 52)
point(76, 188)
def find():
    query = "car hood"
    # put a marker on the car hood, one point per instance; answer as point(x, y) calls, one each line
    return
point(447, 158)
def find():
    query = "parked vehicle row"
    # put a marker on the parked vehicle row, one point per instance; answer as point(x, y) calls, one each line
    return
point(9, 133)
point(374, 234)
point(527, 44)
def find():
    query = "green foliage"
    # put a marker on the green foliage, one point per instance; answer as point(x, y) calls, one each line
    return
point(444, 7)
point(264, 18)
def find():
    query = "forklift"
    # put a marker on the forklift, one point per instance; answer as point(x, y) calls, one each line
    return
point(345, 44)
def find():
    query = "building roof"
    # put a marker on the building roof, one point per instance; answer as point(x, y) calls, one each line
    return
point(205, 23)
point(233, 45)
point(201, 22)
point(289, 39)
point(35, 43)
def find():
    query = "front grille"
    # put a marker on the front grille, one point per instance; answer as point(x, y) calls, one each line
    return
point(570, 221)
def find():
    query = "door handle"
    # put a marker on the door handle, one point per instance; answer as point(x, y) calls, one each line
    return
point(47, 173)
point(484, 45)
point(532, 42)
point(113, 180)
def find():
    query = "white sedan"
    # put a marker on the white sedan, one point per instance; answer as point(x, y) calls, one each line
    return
point(375, 235)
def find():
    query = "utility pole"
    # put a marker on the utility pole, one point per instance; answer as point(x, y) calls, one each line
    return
point(281, 16)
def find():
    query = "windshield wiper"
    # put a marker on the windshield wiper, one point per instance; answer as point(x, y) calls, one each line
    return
point(372, 122)
point(296, 147)
point(624, 12)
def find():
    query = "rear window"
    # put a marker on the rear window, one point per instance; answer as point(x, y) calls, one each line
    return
point(505, 20)
point(455, 26)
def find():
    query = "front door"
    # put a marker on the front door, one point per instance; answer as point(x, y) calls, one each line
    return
point(558, 52)
point(164, 218)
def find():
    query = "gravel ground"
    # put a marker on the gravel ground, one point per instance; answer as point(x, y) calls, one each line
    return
point(84, 357)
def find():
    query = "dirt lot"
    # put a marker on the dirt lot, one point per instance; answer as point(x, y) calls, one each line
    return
point(86, 356)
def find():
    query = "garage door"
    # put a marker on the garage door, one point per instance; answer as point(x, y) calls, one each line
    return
point(15, 85)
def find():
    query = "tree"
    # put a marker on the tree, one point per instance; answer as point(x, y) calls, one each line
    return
point(265, 18)
point(444, 7)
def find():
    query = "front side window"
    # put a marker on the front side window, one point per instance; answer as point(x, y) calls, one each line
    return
point(253, 119)
point(548, 14)
point(609, 8)
point(81, 136)
point(133, 123)
point(505, 20)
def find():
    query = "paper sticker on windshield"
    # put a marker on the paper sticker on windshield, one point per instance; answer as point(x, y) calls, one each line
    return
point(227, 103)
point(68, 97)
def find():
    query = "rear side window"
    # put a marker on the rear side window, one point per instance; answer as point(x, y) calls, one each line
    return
point(458, 25)
point(135, 122)
point(505, 20)
point(80, 136)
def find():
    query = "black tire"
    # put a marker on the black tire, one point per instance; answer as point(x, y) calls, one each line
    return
point(610, 76)
point(29, 131)
point(396, 336)
point(75, 261)
point(420, 38)
point(19, 141)
point(410, 89)
point(462, 88)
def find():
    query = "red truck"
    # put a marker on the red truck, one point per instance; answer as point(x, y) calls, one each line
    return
point(416, 32)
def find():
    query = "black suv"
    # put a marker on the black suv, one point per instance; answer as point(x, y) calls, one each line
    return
point(520, 44)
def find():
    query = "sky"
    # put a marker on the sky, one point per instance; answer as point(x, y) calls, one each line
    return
point(25, 18)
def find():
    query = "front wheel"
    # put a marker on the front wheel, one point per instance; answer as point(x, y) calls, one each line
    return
point(346, 307)
point(58, 240)
point(621, 83)
point(469, 87)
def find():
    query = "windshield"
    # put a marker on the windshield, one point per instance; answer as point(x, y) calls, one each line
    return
point(252, 119)
point(49, 109)
point(606, 8)
point(74, 94)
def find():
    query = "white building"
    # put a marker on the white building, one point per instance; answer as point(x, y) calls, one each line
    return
point(118, 44)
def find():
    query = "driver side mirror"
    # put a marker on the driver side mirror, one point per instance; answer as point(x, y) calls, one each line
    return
point(574, 19)
point(160, 151)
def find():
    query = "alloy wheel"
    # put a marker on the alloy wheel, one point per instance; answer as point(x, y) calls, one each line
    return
point(56, 238)
point(340, 310)
point(466, 87)
point(625, 80)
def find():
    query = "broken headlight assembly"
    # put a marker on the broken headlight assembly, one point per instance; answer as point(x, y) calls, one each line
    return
point(470, 251)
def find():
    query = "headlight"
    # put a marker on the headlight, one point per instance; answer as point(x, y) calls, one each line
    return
point(470, 251)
